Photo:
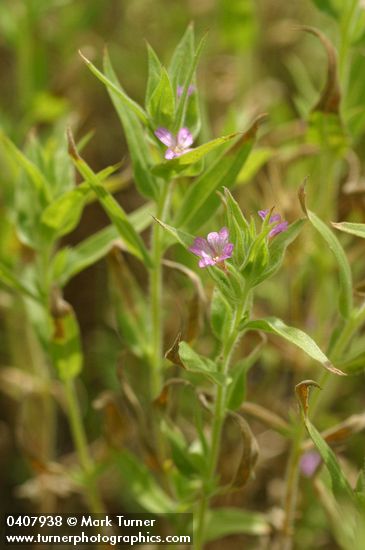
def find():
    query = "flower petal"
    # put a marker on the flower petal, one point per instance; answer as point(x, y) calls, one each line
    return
point(170, 154)
point(200, 246)
point(165, 136)
point(206, 260)
point(214, 241)
point(227, 251)
point(263, 213)
point(283, 226)
point(184, 138)
point(275, 218)
point(223, 234)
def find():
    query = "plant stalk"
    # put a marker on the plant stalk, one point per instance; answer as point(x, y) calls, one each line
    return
point(156, 295)
point(78, 432)
point(218, 420)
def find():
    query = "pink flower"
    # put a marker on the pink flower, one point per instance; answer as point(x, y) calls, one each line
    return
point(214, 249)
point(309, 463)
point(178, 145)
point(180, 89)
point(280, 224)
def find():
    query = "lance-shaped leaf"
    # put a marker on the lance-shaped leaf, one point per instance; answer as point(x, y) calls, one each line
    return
point(71, 260)
point(63, 214)
point(237, 388)
point(137, 144)
point(177, 165)
point(188, 80)
point(345, 292)
point(142, 485)
point(198, 364)
point(178, 70)
point(295, 336)
point(118, 91)
point(278, 248)
point(179, 236)
point(9, 279)
point(329, 101)
point(154, 73)
point(32, 171)
point(66, 347)
point(118, 217)
point(161, 105)
point(228, 521)
point(357, 229)
point(340, 485)
point(201, 201)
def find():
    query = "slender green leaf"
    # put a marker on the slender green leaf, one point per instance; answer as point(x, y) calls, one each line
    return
point(177, 165)
point(118, 91)
point(340, 485)
point(227, 521)
point(32, 171)
point(10, 280)
point(201, 201)
point(63, 214)
point(138, 147)
point(127, 233)
point(161, 105)
point(70, 261)
point(194, 362)
point(142, 485)
point(66, 347)
point(182, 58)
point(278, 248)
point(345, 293)
point(237, 388)
point(296, 336)
point(154, 73)
point(255, 162)
point(189, 77)
point(357, 229)
point(179, 236)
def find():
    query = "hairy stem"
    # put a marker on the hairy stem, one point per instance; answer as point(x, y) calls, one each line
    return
point(156, 295)
point(218, 419)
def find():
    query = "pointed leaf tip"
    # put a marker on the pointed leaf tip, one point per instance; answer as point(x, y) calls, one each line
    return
point(72, 151)
point(302, 196)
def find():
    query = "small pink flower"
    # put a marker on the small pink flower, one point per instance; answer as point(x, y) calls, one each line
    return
point(309, 463)
point(180, 89)
point(178, 145)
point(280, 224)
point(214, 249)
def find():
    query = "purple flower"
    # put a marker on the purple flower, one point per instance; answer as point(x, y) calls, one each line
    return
point(309, 463)
point(214, 249)
point(178, 145)
point(180, 89)
point(280, 224)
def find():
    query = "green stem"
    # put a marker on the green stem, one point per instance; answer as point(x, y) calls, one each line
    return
point(78, 432)
point(218, 420)
point(156, 294)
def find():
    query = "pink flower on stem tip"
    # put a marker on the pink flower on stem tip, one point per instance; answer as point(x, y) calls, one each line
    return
point(180, 89)
point(214, 249)
point(280, 224)
point(176, 146)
